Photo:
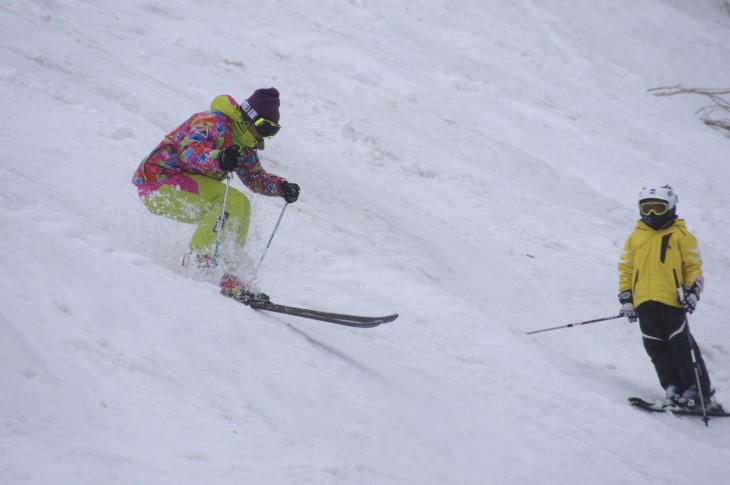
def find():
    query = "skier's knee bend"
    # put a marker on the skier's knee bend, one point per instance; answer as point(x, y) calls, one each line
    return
point(238, 204)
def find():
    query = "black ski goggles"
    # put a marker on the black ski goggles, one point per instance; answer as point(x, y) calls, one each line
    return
point(267, 128)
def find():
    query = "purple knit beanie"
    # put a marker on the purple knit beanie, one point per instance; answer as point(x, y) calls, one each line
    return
point(263, 103)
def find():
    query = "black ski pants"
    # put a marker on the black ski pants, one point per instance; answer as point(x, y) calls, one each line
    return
point(667, 340)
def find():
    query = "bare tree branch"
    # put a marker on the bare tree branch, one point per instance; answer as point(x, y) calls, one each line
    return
point(678, 89)
point(708, 113)
point(725, 125)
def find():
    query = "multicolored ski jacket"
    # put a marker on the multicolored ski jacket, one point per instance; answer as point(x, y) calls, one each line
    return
point(194, 147)
point(655, 263)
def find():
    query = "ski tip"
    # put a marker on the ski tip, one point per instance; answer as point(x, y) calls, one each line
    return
point(390, 318)
point(375, 322)
point(637, 401)
point(644, 404)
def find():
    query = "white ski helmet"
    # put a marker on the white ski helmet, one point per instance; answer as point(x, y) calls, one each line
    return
point(664, 193)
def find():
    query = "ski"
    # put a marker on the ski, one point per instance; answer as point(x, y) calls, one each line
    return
point(336, 318)
point(658, 407)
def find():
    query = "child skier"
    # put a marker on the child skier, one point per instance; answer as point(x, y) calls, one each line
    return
point(181, 178)
point(660, 280)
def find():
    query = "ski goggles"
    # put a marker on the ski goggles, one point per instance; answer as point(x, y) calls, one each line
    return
point(267, 128)
point(656, 207)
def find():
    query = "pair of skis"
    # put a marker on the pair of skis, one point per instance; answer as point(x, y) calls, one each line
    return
point(345, 319)
point(659, 407)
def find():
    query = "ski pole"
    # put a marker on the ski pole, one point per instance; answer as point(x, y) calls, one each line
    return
point(695, 365)
point(219, 226)
point(271, 238)
point(575, 324)
point(697, 373)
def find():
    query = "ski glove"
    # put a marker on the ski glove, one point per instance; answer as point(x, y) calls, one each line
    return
point(626, 299)
point(690, 297)
point(229, 158)
point(290, 192)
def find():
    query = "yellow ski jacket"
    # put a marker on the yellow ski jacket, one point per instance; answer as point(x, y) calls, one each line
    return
point(655, 263)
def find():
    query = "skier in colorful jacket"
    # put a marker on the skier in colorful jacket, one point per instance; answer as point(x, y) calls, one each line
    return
point(182, 177)
point(660, 281)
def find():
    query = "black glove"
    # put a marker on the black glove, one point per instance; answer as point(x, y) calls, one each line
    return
point(689, 297)
point(290, 192)
point(626, 298)
point(229, 158)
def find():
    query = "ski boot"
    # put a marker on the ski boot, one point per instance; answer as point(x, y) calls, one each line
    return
point(711, 403)
point(691, 399)
point(672, 395)
point(232, 286)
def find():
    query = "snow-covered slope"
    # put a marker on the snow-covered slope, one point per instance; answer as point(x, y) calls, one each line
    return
point(470, 164)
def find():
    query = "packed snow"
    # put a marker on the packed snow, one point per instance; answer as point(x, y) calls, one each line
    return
point(473, 165)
